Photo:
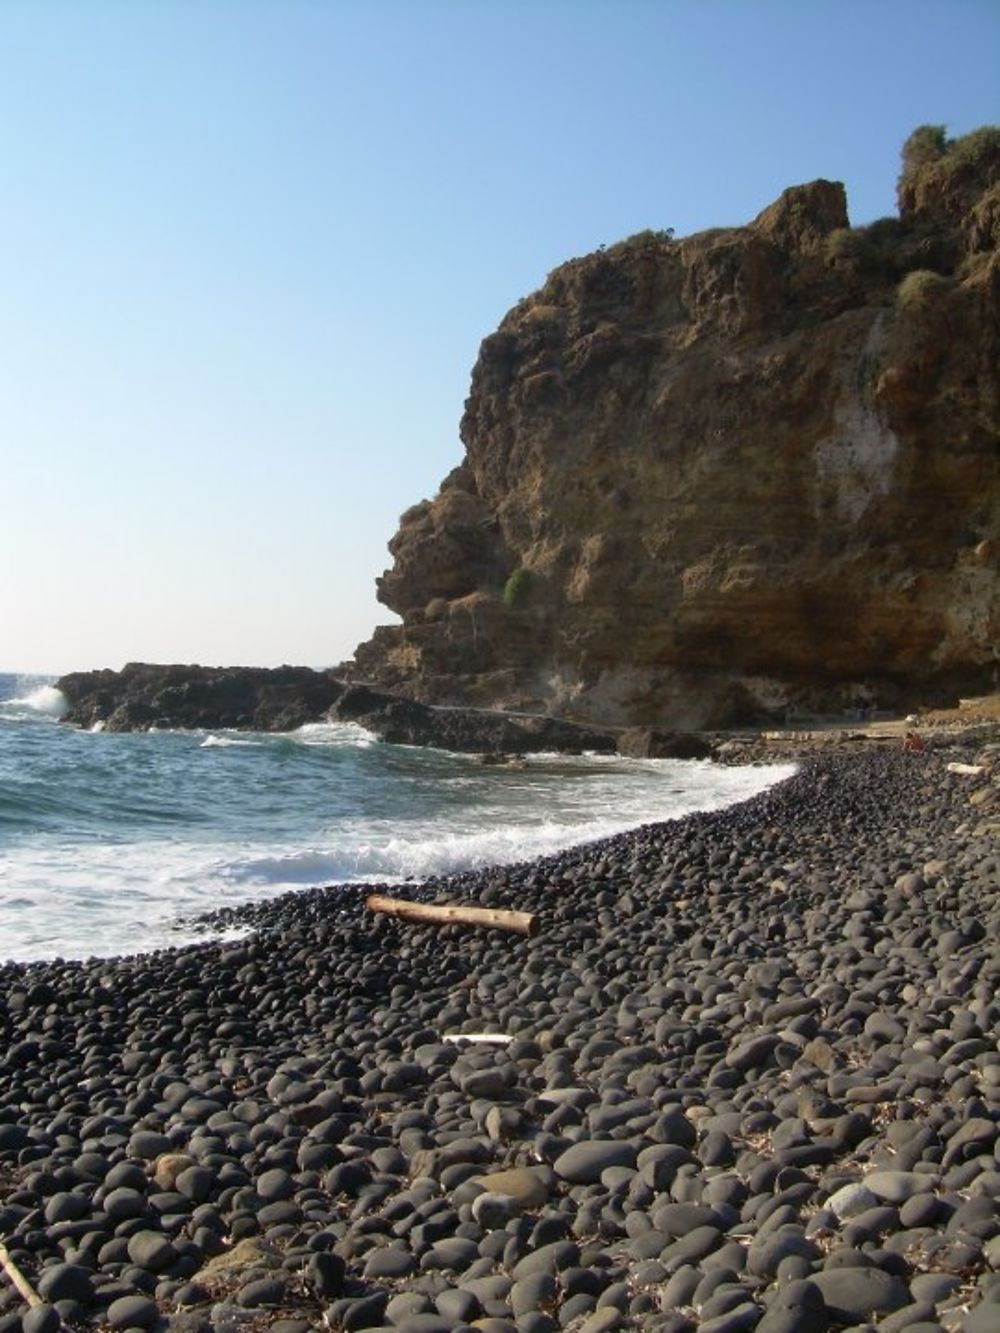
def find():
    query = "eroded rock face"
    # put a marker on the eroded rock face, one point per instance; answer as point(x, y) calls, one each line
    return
point(711, 478)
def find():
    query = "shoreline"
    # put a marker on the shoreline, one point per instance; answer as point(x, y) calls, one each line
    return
point(723, 1025)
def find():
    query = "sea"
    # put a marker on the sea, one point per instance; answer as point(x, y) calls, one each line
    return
point(115, 843)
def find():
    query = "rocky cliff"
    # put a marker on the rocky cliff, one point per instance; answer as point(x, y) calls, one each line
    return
point(713, 478)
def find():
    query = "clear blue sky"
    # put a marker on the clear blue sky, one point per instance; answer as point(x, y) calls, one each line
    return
point(248, 251)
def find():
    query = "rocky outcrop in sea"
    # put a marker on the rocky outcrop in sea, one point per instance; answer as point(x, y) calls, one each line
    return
point(746, 1075)
point(144, 696)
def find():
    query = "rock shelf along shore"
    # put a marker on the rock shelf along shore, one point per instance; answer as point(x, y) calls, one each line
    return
point(746, 1076)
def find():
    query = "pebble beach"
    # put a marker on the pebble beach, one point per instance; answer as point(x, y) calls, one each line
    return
point(745, 1075)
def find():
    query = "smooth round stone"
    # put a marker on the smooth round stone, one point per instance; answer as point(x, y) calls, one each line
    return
point(492, 1210)
point(523, 1184)
point(12, 1137)
point(406, 1304)
point(195, 1183)
point(677, 1219)
point(673, 1128)
point(741, 1317)
point(934, 1287)
point(42, 1319)
point(66, 1208)
point(909, 1316)
point(851, 1199)
point(853, 1295)
point(325, 1272)
point(486, 1083)
point(66, 1282)
point(126, 1175)
point(583, 1163)
point(983, 1319)
point(280, 1213)
point(680, 1289)
point(649, 1244)
point(151, 1250)
point(693, 1246)
point(717, 1150)
point(767, 1252)
point(589, 1280)
point(752, 1054)
point(977, 1132)
point(551, 1258)
point(389, 1263)
point(793, 1320)
point(166, 1202)
point(133, 1312)
point(575, 1308)
point(262, 1292)
point(453, 1253)
point(895, 1186)
point(920, 1210)
point(458, 1305)
point(532, 1292)
point(124, 1203)
point(147, 1145)
point(798, 1294)
point(275, 1185)
point(190, 1293)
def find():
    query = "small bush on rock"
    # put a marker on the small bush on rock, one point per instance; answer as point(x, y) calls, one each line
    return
point(919, 287)
point(515, 590)
point(640, 239)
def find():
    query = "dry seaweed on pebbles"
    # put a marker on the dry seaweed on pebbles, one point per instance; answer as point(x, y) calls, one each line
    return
point(752, 1081)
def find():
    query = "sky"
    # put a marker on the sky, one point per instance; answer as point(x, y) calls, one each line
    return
point(249, 248)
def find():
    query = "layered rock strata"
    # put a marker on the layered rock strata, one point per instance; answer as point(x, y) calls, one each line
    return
point(709, 479)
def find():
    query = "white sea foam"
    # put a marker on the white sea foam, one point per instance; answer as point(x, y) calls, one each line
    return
point(333, 733)
point(43, 701)
point(140, 832)
point(495, 833)
point(339, 734)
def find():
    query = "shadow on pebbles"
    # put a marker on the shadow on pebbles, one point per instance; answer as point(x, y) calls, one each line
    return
point(748, 1077)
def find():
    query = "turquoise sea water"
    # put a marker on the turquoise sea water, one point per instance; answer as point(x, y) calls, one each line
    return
point(109, 842)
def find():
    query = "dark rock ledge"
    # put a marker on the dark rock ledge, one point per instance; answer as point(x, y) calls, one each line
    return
point(752, 1082)
point(143, 696)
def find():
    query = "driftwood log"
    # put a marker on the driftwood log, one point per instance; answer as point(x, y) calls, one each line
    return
point(518, 923)
point(20, 1283)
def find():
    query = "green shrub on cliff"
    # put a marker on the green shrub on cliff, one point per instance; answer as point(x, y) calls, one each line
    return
point(918, 287)
point(926, 144)
point(976, 148)
point(876, 249)
point(845, 243)
point(515, 590)
point(639, 241)
point(941, 176)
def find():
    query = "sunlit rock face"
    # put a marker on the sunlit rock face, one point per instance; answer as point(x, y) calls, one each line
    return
point(707, 480)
